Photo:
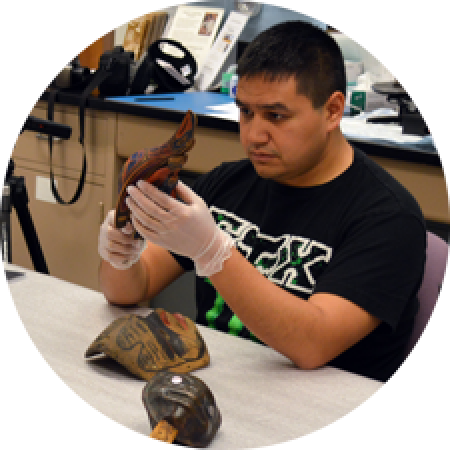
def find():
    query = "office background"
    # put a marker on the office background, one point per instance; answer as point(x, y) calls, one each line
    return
point(61, 318)
point(270, 15)
point(113, 132)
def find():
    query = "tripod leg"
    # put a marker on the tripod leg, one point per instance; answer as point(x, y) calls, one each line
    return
point(19, 200)
point(5, 223)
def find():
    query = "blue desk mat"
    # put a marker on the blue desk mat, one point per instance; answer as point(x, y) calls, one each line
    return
point(195, 101)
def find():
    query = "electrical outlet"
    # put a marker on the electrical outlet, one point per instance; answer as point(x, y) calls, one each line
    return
point(44, 190)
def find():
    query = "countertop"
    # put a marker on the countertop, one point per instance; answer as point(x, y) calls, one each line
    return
point(374, 143)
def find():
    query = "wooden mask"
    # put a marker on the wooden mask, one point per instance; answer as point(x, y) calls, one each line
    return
point(146, 345)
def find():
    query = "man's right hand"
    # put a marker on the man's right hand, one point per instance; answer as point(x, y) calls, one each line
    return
point(118, 246)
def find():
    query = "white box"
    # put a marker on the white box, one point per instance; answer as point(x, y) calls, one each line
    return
point(44, 189)
point(353, 69)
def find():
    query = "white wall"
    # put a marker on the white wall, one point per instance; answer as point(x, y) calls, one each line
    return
point(352, 51)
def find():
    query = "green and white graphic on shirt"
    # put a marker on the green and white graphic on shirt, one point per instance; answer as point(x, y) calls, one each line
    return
point(289, 261)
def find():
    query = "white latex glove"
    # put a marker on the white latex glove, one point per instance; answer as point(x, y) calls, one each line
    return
point(184, 227)
point(118, 246)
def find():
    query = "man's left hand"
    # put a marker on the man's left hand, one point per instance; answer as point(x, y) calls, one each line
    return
point(184, 227)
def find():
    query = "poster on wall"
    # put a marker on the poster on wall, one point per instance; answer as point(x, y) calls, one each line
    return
point(195, 27)
point(220, 50)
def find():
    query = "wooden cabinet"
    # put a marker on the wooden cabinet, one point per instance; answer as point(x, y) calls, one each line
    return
point(426, 183)
point(67, 233)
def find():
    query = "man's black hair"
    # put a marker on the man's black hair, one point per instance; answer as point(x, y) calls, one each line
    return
point(300, 49)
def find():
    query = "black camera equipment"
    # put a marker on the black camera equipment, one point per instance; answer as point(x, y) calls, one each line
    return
point(409, 117)
point(14, 195)
point(117, 75)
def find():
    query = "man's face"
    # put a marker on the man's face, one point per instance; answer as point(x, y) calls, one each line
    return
point(284, 137)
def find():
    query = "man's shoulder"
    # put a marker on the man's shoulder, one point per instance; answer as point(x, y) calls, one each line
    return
point(380, 182)
point(375, 171)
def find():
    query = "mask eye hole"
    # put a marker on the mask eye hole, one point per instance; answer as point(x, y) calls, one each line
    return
point(181, 321)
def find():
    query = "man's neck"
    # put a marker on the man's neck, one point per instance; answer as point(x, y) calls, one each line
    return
point(337, 157)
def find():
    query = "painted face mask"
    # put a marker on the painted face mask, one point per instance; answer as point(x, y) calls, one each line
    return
point(159, 166)
point(181, 408)
point(147, 345)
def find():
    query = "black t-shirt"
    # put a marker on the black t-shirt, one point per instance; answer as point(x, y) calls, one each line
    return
point(360, 236)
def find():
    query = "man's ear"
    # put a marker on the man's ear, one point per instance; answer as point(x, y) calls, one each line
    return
point(334, 108)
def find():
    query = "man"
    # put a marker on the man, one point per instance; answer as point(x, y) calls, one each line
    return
point(307, 245)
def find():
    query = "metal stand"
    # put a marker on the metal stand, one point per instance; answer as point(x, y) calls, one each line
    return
point(409, 117)
point(14, 195)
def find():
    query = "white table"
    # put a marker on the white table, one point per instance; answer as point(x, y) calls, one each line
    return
point(253, 385)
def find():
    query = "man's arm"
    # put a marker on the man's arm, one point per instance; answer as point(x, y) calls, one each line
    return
point(310, 333)
point(155, 270)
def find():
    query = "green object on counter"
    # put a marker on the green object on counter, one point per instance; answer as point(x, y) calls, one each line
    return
point(359, 101)
point(226, 78)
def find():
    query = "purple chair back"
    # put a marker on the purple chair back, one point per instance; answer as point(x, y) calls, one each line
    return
point(436, 263)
